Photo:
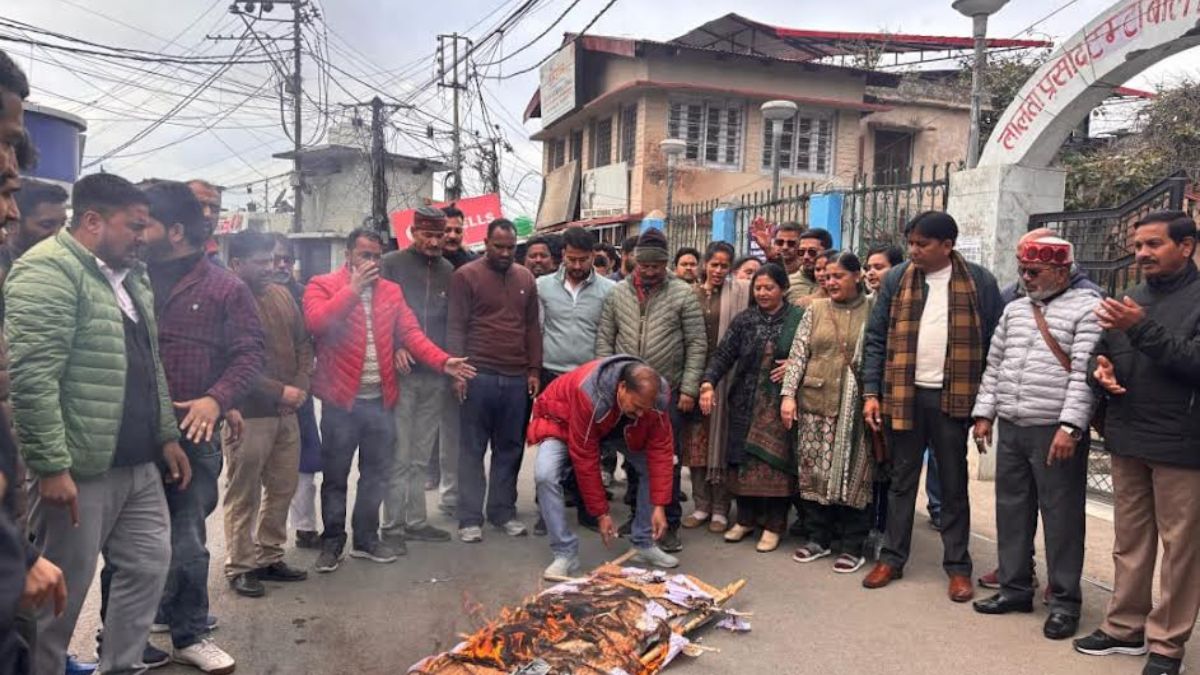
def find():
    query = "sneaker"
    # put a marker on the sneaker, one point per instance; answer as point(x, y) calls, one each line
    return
point(206, 657)
point(154, 657)
point(1100, 643)
point(514, 528)
point(671, 543)
point(280, 571)
point(1158, 664)
point(539, 528)
point(561, 568)
point(308, 539)
point(655, 557)
point(426, 533)
point(810, 552)
point(847, 563)
point(330, 558)
point(472, 534)
point(375, 551)
point(210, 625)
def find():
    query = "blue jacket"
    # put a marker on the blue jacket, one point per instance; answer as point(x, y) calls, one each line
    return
point(991, 306)
point(569, 323)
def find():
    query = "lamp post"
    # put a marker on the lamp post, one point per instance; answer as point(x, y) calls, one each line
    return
point(672, 148)
point(979, 11)
point(777, 112)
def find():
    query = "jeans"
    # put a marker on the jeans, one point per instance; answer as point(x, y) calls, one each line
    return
point(491, 415)
point(184, 604)
point(367, 428)
point(632, 470)
point(933, 486)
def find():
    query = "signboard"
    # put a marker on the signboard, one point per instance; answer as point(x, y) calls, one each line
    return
point(558, 85)
point(604, 192)
point(560, 195)
point(477, 213)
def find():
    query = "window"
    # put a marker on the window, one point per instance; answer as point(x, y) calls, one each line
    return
point(577, 145)
point(712, 130)
point(557, 153)
point(805, 146)
point(629, 135)
point(602, 142)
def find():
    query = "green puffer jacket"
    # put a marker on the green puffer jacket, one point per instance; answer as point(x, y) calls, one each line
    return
point(667, 333)
point(67, 348)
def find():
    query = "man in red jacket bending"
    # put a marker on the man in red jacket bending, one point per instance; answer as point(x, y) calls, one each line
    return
point(359, 322)
point(618, 399)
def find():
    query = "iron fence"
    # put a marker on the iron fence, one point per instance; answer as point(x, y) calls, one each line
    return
point(876, 208)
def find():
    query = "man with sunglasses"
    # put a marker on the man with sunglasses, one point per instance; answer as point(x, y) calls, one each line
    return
point(1036, 384)
point(796, 250)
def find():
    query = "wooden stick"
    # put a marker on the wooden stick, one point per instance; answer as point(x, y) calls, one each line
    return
point(702, 618)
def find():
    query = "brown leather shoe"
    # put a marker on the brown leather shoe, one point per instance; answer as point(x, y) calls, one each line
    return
point(960, 588)
point(881, 575)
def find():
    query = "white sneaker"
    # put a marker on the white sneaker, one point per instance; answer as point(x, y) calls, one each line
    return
point(205, 656)
point(515, 528)
point(655, 557)
point(561, 568)
point(470, 535)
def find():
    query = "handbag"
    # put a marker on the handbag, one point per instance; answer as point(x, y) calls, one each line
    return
point(1097, 421)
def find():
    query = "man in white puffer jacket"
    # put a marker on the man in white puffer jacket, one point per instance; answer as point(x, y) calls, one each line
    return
point(1038, 389)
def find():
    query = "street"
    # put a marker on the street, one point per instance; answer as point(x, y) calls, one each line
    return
point(371, 618)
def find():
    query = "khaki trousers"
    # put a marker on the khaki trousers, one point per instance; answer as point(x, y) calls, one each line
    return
point(263, 467)
point(1151, 501)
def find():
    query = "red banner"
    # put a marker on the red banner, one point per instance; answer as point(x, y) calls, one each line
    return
point(477, 213)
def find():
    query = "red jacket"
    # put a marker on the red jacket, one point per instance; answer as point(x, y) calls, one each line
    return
point(580, 408)
point(336, 319)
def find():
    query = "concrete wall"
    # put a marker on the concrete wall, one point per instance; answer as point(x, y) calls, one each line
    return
point(340, 202)
point(940, 132)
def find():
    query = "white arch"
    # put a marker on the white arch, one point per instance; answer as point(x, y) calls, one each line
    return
point(1121, 42)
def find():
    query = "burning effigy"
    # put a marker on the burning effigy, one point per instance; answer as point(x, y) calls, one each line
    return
point(615, 621)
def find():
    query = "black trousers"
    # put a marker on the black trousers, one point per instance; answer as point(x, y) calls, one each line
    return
point(837, 524)
point(947, 439)
point(769, 513)
point(1025, 486)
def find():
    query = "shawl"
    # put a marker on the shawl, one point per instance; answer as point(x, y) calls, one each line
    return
point(769, 443)
point(735, 297)
point(964, 345)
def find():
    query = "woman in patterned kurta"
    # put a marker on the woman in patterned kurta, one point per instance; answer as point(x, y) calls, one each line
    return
point(759, 451)
point(721, 298)
point(821, 398)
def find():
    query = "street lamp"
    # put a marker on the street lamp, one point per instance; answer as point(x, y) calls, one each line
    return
point(979, 11)
point(672, 148)
point(777, 112)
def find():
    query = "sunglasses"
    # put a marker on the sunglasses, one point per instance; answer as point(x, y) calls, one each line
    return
point(1030, 272)
point(285, 260)
point(600, 262)
point(786, 243)
point(810, 252)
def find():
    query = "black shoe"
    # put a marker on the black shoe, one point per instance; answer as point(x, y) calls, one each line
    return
point(539, 528)
point(670, 542)
point(998, 604)
point(426, 533)
point(396, 541)
point(935, 522)
point(154, 657)
point(1100, 643)
point(330, 558)
point(626, 528)
point(1158, 664)
point(569, 501)
point(280, 571)
point(247, 585)
point(308, 539)
point(1060, 626)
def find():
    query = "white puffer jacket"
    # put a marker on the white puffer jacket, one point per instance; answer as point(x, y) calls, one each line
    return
point(1024, 382)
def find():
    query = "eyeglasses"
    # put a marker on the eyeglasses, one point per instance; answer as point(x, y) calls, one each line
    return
point(600, 262)
point(810, 252)
point(1030, 272)
point(786, 243)
point(285, 260)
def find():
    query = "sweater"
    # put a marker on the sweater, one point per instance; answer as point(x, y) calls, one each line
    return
point(667, 331)
point(68, 363)
point(494, 319)
point(569, 322)
point(426, 285)
point(1024, 383)
point(289, 352)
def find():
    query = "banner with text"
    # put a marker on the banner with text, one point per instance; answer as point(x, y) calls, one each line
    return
point(477, 213)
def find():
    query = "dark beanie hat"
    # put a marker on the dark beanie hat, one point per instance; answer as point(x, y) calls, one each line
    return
point(651, 247)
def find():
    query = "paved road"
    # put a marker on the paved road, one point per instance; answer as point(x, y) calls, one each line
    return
point(371, 618)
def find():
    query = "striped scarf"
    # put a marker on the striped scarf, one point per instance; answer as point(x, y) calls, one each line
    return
point(964, 352)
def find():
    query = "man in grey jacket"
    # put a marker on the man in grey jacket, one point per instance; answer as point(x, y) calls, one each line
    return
point(657, 318)
point(1036, 384)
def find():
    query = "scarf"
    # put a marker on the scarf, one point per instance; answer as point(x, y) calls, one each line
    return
point(766, 439)
point(964, 351)
point(735, 297)
point(643, 294)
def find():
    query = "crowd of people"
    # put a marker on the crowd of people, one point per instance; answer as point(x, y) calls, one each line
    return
point(141, 368)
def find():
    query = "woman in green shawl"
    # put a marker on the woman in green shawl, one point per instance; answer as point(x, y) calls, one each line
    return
point(759, 452)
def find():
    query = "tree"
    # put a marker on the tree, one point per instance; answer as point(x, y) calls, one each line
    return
point(1003, 77)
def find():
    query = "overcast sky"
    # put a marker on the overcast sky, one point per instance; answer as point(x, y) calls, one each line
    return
point(389, 43)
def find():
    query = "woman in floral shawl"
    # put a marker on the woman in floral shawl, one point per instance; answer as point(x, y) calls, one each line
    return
point(721, 298)
point(822, 400)
point(759, 452)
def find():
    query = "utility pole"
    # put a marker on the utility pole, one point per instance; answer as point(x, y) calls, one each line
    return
point(456, 83)
point(379, 187)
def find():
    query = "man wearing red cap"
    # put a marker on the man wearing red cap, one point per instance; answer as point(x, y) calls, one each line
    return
point(1036, 384)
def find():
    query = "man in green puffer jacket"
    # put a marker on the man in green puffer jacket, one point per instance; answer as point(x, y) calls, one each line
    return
point(93, 417)
point(657, 318)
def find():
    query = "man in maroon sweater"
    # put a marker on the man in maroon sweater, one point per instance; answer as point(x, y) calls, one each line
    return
point(494, 322)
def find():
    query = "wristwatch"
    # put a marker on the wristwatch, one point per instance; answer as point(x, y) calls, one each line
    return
point(1071, 431)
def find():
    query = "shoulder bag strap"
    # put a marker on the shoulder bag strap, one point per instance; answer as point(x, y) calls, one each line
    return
point(1063, 359)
